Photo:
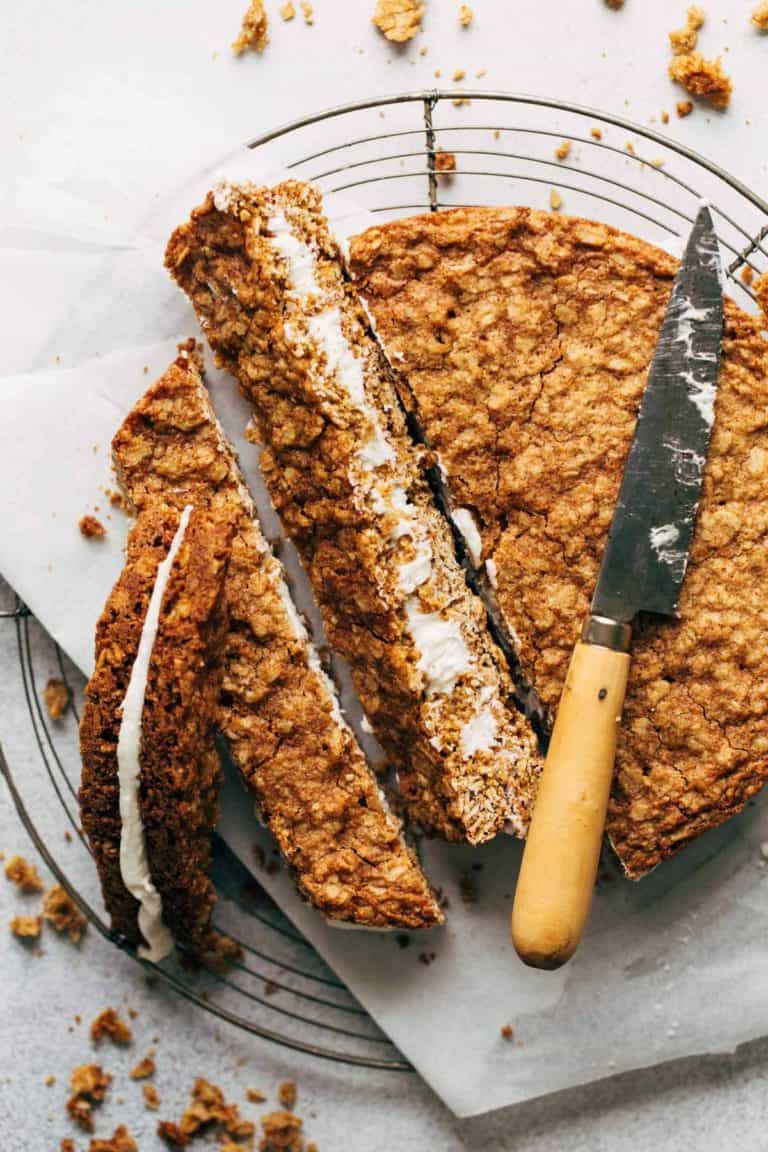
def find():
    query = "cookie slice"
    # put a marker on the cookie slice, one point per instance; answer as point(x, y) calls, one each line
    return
point(278, 709)
point(148, 796)
point(267, 281)
point(523, 342)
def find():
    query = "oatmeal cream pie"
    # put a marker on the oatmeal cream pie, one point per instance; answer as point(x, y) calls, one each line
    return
point(150, 779)
point(278, 709)
point(523, 342)
point(267, 280)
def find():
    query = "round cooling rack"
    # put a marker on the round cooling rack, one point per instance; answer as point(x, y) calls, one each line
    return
point(383, 155)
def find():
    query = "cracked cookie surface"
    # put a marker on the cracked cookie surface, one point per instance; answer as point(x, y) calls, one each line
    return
point(524, 342)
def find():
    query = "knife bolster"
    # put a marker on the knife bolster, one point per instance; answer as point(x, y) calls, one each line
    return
point(607, 633)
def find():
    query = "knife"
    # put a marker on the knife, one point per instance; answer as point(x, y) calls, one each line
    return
point(642, 570)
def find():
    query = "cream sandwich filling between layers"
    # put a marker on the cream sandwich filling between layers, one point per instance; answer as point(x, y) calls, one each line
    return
point(442, 653)
point(134, 865)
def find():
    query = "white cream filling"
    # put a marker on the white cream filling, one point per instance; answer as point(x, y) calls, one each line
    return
point(134, 866)
point(481, 733)
point(467, 525)
point(490, 567)
point(443, 655)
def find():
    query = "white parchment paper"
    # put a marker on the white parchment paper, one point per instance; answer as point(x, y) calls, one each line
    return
point(671, 967)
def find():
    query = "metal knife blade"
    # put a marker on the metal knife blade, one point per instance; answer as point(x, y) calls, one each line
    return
point(646, 555)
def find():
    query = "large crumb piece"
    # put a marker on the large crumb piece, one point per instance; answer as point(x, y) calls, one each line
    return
point(108, 1023)
point(398, 20)
point(90, 1080)
point(308, 12)
point(282, 1133)
point(208, 1107)
point(144, 1069)
point(253, 33)
point(57, 697)
point(60, 910)
point(760, 16)
point(172, 1134)
point(465, 15)
point(286, 1094)
point(27, 927)
point(120, 1141)
point(91, 528)
point(287, 11)
point(703, 78)
point(684, 39)
point(23, 874)
point(445, 163)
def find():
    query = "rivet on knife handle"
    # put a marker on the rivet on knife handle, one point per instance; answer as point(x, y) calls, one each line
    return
point(557, 876)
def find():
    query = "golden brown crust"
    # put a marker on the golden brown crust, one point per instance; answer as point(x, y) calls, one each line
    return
point(313, 786)
point(179, 763)
point(526, 340)
point(340, 508)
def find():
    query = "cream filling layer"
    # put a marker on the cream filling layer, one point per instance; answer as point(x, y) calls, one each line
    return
point(134, 866)
point(443, 655)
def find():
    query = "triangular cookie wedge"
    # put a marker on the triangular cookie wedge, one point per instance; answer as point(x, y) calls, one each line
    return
point(278, 709)
point(523, 342)
point(148, 796)
point(267, 280)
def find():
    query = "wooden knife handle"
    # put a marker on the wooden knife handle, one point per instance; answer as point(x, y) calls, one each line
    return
point(557, 876)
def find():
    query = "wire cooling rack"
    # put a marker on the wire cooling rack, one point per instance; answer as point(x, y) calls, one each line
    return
point(383, 155)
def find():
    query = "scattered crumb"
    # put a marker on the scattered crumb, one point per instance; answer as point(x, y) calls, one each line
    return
point(423, 50)
point(308, 12)
point(207, 1107)
point(67, 1145)
point(507, 1032)
point(658, 162)
point(91, 528)
point(144, 1069)
point(49, 1080)
point(497, 133)
point(23, 874)
point(465, 15)
point(761, 292)
point(172, 1134)
point(223, 951)
point(426, 958)
point(270, 988)
point(398, 20)
point(445, 163)
point(108, 1023)
point(151, 1097)
point(460, 100)
point(116, 498)
point(60, 910)
point(120, 1141)
point(555, 200)
point(286, 1094)
point(27, 927)
point(684, 39)
point(403, 940)
point(480, 73)
point(438, 73)
point(89, 1084)
point(253, 33)
point(282, 1133)
point(459, 74)
point(287, 11)
point(255, 1096)
point(563, 149)
point(665, 117)
point(133, 1014)
point(615, 4)
point(701, 77)
point(57, 697)
point(747, 275)
point(596, 133)
point(630, 148)
point(684, 108)
point(760, 16)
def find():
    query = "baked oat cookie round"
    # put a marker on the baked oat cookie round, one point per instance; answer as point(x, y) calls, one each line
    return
point(523, 341)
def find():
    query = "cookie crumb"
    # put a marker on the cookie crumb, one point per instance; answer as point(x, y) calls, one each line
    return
point(120, 1141)
point(507, 1032)
point(308, 13)
point(151, 1097)
point(91, 528)
point(60, 910)
point(254, 1096)
point(398, 20)
point(287, 11)
point(460, 101)
point(49, 1080)
point(665, 117)
point(459, 74)
point(465, 15)
point(67, 1145)
point(445, 163)
point(254, 31)
point(761, 292)
point(684, 108)
point(615, 4)
point(172, 1134)
point(27, 927)
point(747, 275)
point(703, 78)
point(57, 697)
point(282, 1133)
point(760, 16)
point(596, 133)
point(89, 1083)
point(23, 874)
point(144, 1069)
point(286, 1094)
point(563, 150)
point(682, 40)
point(108, 1023)
point(555, 200)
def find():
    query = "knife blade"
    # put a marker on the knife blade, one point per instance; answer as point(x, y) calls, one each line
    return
point(650, 536)
point(642, 570)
